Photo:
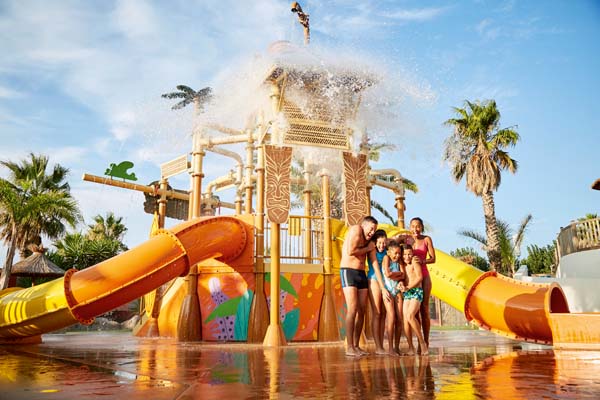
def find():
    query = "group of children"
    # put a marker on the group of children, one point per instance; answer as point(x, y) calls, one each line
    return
point(398, 282)
point(398, 278)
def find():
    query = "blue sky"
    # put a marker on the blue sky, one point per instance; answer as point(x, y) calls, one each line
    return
point(81, 82)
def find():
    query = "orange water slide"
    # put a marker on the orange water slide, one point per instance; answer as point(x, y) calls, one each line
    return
point(81, 295)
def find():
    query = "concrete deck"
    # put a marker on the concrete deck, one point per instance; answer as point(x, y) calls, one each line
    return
point(462, 365)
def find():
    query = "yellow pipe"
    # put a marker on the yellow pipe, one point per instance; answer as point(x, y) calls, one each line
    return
point(197, 176)
point(328, 326)
point(133, 186)
point(248, 176)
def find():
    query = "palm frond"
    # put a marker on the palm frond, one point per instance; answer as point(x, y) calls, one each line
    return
point(186, 89)
point(475, 236)
point(174, 95)
point(520, 235)
point(383, 211)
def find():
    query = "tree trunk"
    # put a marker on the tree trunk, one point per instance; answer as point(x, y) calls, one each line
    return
point(10, 255)
point(491, 231)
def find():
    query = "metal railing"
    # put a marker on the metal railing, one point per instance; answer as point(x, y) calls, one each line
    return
point(301, 240)
point(579, 236)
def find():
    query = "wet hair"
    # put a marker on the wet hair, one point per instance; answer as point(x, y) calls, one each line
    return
point(379, 233)
point(420, 221)
point(394, 245)
point(370, 219)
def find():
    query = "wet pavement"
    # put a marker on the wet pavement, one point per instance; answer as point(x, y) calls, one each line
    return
point(465, 364)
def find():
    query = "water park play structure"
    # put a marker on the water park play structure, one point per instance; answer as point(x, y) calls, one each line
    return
point(262, 275)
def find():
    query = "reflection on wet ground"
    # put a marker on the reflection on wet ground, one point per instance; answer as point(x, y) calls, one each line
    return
point(463, 365)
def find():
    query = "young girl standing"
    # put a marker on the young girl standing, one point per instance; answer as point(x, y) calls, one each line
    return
point(376, 284)
point(393, 275)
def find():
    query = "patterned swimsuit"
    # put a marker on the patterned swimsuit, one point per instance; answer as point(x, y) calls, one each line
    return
point(414, 293)
point(390, 284)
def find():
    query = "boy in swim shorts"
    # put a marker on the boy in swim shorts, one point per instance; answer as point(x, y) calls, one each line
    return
point(413, 296)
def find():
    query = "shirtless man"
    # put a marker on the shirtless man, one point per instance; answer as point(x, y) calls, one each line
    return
point(357, 245)
point(412, 292)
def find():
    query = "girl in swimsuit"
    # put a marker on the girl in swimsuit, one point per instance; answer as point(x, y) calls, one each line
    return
point(376, 287)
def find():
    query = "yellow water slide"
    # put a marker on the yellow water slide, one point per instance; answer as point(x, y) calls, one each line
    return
point(519, 310)
point(81, 295)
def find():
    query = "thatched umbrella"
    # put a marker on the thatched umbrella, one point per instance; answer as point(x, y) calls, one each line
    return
point(37, 265)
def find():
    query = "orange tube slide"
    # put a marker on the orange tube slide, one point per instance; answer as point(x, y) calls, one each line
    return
point(81, 295)
point(520, 310)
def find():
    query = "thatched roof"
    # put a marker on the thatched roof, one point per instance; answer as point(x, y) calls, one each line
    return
point(36, 265)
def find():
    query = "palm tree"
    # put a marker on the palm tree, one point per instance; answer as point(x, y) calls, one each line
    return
point(588, 216)
point(476, 151)
point(24, 213)
point(510, 245)
point(79, 251)
point(316, 206)
point(470, 256)
point(32, 173)
point(189, 95)
point(111, 228)
point(33, 203)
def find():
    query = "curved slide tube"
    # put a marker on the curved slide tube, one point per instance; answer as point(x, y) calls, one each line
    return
point(81, 295)
point(519, 310)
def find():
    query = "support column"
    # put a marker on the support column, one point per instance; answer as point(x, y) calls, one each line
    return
point(275, 335)
point(328, 323)
point(249, 169)
point(259, 311)
point(153, 330)
point(400, 207)
point(189, 325)
point(162, 203)
point(197, 175)
point(307, 197)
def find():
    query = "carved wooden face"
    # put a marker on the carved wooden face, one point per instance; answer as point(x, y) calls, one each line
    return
point(277, 196)
point(355, 194)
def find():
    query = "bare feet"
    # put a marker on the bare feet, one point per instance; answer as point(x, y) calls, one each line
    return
point(423, 350)
point(353, 353)
point(410, 352)
point(362, 352)
point(381, 352)
point(393, 353)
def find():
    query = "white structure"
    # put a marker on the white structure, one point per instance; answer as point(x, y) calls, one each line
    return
point(578, 271)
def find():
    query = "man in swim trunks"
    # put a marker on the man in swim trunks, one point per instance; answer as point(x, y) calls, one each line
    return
point(413, 296)
point(357, 245)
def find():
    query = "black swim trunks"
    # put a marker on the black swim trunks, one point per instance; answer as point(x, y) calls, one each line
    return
point(354, 277)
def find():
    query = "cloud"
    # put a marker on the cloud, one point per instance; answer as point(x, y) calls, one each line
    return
point(67, 155)
point(136, 19)
point(364, 17)
point(8, 93)
point(111, 58)
point(487, 29)
point(415, 15)
point(489, 90)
